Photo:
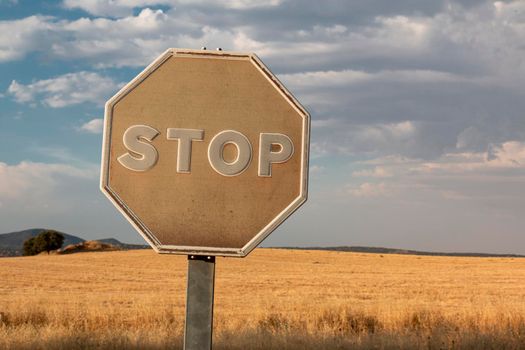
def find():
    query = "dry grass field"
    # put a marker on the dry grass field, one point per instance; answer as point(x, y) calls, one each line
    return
point(274, 299)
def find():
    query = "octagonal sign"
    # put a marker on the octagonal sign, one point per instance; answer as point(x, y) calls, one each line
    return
point(205, 152)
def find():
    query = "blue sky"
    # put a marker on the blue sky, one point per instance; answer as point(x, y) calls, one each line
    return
point(418, 124)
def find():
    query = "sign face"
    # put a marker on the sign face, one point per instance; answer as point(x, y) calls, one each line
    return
point(205, 152)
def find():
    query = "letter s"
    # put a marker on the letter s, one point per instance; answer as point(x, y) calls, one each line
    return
point(136, 139)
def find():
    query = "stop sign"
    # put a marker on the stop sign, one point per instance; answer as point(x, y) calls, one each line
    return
point(205, 152)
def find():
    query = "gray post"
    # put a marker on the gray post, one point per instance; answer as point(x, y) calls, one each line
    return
point(199, 303)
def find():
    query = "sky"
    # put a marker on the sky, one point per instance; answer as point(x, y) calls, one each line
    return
point(418, 111)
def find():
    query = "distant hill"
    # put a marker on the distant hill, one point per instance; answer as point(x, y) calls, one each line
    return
point(381, 250)
point(11, 243)
point(117, 243)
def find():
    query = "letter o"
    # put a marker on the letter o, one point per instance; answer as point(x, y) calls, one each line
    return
point(216, 153)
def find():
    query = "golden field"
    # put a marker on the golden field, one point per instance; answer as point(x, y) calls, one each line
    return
point(273, 299)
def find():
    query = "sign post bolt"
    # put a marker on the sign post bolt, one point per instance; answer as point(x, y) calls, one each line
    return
point(199, 303)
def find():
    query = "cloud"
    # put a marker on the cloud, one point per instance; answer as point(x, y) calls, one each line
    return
point(130, 41)
point(118, 8)
point(460, 201)
point(94, 126)
point(490, 177)
point(121, 8)
point(59, 196)
point(506, 156)
point(368, 189)
point(30, 180)
point(26, 35)
point(376, 172)
point(292, 35)
point(241, 4)
point(387, 132)
point(449, 72)
point(336, 79)
point(343, 137)
point(65, 90)
point(470, 138)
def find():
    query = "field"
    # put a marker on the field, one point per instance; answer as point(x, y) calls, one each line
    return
point(274, 299)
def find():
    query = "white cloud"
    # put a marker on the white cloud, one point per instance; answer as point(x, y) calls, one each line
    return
point(20, 93)
point(382, 136)
point(492, 178)
point(345, 138)
point(412, 28)
point(120, 8)
point(59, 196)
point(65, 90)
point(111, 7)
point(506, 156)
point(370, 190)
point(403, 41)
point(25, 35)
point(513, 10)
point(324, 123)
point(385, 132)
point(234, 4)
point(93, 126)
point(470, 137)
point(325, 78)
point(321, 79)
point(509, 154)
point(130, 41)
point(376, 172)
point(133, 40)
point(30, 180)
point(59, 154)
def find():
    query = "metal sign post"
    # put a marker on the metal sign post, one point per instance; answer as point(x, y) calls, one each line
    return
point(199, 303)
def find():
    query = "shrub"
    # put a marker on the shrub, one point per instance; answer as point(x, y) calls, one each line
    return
point(46, 241)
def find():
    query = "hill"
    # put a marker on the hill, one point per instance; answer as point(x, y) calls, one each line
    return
point(11, 243)
point(125, 246)
point(381, 250)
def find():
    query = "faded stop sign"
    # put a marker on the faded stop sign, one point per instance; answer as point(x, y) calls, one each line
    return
point(205, 152)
